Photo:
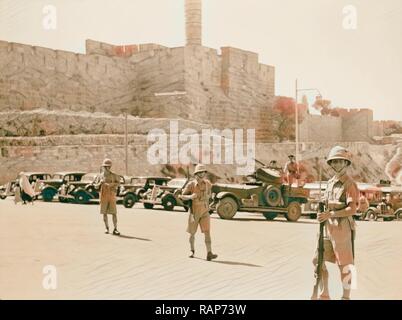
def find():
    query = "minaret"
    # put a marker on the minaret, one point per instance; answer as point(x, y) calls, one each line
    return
point(193, 22)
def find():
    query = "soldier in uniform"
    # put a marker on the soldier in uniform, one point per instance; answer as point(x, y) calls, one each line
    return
point(291, 170)
point(108, 183)
point(199, 192)
point(341, 198)
point(363, 204)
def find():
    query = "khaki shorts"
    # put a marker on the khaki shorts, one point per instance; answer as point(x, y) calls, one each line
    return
point(108, 207)
point(199, 219)
point(338, 246)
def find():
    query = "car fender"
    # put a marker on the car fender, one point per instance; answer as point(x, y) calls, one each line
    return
point(80, 189)
point(225, 194)
point(47, 187)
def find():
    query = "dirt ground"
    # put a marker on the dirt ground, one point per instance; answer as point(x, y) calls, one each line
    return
point(258, 259)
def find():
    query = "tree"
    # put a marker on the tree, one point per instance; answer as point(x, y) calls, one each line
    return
point(284, 118)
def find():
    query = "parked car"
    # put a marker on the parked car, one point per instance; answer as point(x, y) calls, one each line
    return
point(385, 203)
point(137, 187)
point(36, 179)
point(264, 194)
point(311, 207)
point(83, 191)
point(51, 187)
point(7, 190)
point(165, 195)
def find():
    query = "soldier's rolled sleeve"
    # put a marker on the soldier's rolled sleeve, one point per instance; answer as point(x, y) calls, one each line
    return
point(352, 195)
point(188, 189)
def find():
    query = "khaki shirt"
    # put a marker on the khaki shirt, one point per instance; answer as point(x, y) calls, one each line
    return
point(202, 189)
point(108, 188)
point(363, 204)
point(291, 167)
point(339, 194)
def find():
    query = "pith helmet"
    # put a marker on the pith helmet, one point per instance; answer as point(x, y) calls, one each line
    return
point(200, 168)
point(107, 163)
point(291, 156)
point(339, 153)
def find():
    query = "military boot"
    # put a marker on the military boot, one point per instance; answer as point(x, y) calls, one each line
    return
point(211, 256)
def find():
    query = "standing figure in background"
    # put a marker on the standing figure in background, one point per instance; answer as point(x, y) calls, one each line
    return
point(292, 171)
point(108, 182)
point(27, 192)
point(363, 205)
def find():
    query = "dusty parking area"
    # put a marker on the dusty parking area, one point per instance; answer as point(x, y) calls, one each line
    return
point(258, 259)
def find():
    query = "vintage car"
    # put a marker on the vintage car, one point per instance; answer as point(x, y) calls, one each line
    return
point(385, 203)
point(50, 188)
point(311, 207)
point(83, 191)
point(165, 195)
point(133, 191)
point(7, 190)
point(264, 193)
point(35, 179)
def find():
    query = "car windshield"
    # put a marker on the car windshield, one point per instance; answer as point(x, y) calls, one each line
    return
point(90, 177)
point(57, 177)
point(140, 181)
point(179, 183)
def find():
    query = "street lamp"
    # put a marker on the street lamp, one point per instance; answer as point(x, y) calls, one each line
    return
point(297, 115)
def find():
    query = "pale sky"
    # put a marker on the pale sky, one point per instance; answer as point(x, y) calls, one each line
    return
point(303, 39)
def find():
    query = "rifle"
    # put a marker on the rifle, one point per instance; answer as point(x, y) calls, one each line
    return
point(187, 203)
point(320, 258)
point(260, 162)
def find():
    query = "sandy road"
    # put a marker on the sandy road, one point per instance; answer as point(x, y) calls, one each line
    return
point(258, 259)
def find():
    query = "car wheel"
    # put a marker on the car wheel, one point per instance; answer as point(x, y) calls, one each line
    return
point(129, 200)
point(3, 197)
point(81, 197)
point(48, 195)
point(398, 214)
point(169, 203)
point(371, 215)
point(148, 205)
point(270, 215)
point(294, 212)
point(226, 208)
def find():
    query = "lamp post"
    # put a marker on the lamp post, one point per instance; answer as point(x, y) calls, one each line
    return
point(297, 115)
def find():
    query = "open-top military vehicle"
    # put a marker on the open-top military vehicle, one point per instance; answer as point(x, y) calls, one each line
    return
point(50, 188)
point(133, 191)
point(165, 195)
point(264, 193)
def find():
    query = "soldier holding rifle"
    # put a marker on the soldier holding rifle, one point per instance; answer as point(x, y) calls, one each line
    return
point(337, 225)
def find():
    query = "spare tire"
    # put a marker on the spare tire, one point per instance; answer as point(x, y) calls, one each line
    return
point(273, 196)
